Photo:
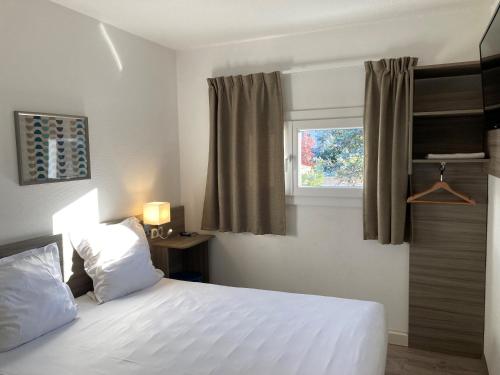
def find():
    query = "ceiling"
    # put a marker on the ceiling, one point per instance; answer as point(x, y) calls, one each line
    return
point(184, 24)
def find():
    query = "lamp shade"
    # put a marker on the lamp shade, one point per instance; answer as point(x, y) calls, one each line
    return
point(156, 213)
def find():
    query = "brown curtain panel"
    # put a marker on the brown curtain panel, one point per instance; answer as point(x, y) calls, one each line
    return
point(387, 133)
point(245, 189)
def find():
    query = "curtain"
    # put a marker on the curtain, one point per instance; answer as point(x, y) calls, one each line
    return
point(387, 133)
point(245, 189)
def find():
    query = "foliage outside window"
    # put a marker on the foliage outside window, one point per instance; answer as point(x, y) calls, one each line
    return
point(331, 157)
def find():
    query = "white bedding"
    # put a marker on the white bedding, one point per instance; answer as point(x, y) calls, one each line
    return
point(177, 327)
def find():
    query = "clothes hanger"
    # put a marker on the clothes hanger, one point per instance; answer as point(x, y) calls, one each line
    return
point(441, 185)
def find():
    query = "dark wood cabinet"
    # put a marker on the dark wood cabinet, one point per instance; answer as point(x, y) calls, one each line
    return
point(448, 243)
point(179, 256)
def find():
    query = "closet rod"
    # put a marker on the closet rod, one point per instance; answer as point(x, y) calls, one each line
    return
point(328, 65)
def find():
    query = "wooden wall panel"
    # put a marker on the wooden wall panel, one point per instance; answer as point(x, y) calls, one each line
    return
point(447, 264)
point(447, 135)
point(494, 152)
point(448, 93)
point(448, 244)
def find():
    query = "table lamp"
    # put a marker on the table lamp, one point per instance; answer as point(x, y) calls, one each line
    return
point(157, 214)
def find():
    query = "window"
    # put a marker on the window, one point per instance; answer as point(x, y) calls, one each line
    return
point(330, 157)
point(326, 157)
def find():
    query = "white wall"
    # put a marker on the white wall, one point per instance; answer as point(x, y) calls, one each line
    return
point(492, 326)
point(324, 252)
point(55, 60)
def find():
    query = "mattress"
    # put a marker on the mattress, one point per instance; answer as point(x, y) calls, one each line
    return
point(178, 327)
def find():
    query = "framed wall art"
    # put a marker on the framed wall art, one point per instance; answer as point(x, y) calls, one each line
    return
point(51, 147)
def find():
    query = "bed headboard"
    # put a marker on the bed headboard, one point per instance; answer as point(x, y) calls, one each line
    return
point(34, 243)
point(79, 282)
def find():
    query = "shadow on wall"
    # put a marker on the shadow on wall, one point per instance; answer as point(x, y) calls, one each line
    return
point(291, 220)
point(283, 65)
point(236, 69)
point(441, 55)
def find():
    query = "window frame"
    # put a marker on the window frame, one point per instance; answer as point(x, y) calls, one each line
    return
point(292, 129)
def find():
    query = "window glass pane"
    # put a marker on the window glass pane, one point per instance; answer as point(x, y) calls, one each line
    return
point(331, 157)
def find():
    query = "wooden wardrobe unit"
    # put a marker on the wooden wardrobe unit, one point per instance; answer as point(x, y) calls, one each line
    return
point(448, 243)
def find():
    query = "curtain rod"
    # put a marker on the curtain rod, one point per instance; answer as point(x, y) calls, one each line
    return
point(327, 66)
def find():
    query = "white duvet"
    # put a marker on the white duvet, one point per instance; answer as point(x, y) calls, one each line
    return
point(177, 327)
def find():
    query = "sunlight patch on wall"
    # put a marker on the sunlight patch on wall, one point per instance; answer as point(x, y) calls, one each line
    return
point(76, 216)
point(111, 46)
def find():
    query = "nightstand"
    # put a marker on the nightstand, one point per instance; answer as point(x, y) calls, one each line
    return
point(182, 257)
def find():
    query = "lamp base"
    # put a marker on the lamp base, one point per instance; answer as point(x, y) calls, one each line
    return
point(147, 229)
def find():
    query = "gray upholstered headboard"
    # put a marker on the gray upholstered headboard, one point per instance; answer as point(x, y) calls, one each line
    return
point(79, 282)
point(19, 247)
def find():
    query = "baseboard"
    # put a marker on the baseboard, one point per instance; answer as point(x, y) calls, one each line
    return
point(398, 338)
point(483, 358)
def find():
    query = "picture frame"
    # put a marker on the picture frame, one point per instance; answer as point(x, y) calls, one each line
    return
point(51, 147)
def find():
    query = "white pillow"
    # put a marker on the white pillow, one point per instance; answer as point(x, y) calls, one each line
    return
point(117, 258)
point(34, 299)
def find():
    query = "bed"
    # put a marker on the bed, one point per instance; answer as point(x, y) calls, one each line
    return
point(178, 327)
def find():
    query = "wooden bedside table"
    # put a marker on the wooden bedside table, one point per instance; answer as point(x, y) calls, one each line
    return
point(178, 254)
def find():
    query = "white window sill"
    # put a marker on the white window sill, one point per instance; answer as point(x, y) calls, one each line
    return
point(328, 192)
point(326, 201)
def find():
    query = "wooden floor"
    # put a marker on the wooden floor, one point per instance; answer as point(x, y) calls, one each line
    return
point(404, 361)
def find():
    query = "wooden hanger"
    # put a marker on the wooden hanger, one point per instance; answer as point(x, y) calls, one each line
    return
point(444, 186)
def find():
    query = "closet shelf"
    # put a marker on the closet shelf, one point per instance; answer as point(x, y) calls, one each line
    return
point(452, 113)
point(492, 107)
point(457, 161)
point(447, 70)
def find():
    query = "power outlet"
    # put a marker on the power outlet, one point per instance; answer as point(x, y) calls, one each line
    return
point(154, 233)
